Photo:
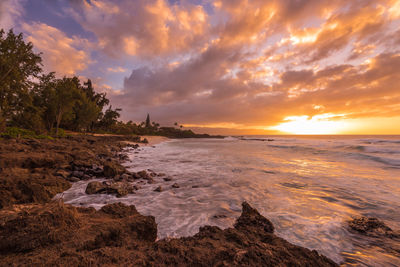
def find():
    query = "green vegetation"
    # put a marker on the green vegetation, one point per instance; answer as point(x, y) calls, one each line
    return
point(34, 104)
point(14, 132)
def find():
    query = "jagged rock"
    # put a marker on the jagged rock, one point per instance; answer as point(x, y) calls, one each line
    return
point(372, 227)
point(125, 176)
point(143, 175)
point(158, 189)
point(219, 216)
point(95, 188)
point(73, 179)
point(111, 169)
point(58, 234)
point(252, 218)
point(78, 174)
point(120, 189)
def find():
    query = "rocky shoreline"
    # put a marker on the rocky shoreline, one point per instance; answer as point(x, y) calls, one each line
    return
point(37, 230)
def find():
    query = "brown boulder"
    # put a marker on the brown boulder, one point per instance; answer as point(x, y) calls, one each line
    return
point(120, 189)
point(251, 218)
point(372, 227)
point(111, 169)
point(95, 188)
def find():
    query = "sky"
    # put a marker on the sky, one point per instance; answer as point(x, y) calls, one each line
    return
point(228, 66)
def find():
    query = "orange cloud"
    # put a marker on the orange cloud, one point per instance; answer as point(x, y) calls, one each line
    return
point(143, 28)
point(253, 64)
point(61, 54)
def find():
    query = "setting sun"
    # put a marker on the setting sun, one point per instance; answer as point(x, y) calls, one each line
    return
point(320, 124)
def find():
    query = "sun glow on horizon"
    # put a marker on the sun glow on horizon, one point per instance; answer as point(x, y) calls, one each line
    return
point(319, 124)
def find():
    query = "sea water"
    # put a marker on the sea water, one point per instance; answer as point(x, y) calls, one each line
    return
point(308, 186)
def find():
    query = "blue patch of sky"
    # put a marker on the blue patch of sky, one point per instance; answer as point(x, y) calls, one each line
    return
point(52, 13)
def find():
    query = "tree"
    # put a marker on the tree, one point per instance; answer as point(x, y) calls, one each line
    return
point(66, 95)
point(19, 66)
point(44, 95)
point(148, 121)
point(86, 112)
point(110, 118)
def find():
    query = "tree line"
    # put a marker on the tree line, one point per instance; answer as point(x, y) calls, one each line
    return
point(38, 101)
point(32, 99)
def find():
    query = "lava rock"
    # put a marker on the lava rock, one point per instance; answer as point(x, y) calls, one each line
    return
point(111, 169)
point(371, 227)
point(158, 189)
point(63, 173)
point(95, 188)
point(73, 179)
point(251, 218)
point(78, 174)
point(86, 177)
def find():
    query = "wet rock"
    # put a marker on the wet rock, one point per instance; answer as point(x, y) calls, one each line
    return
point(143, 175)
point(78, 174)
point(117, 178)
point(219, 216)
point(106, 183)
point(120, 189)
point(158, 189)
point(133, 146)
point(175, 185)
point(73, 179)
point(372, 227)
point(95, 188)
point(136, 187)
point(125, 176)
point(119, 210)
point(111, 169)
point(251, 218)
point(123, 157)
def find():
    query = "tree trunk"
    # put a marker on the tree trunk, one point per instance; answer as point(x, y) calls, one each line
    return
point(59, 116)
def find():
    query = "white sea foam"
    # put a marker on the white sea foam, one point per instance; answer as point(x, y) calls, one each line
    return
point(308, 187)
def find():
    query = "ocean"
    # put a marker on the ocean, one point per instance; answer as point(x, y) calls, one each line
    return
point(307, 186)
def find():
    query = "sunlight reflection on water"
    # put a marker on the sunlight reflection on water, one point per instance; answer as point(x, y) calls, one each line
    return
point(307, 187)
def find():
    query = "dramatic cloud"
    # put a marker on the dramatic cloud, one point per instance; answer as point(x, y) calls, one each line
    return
point(269, 61)
point(142, 27)
point(61, 53)
point(234, 63)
